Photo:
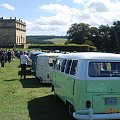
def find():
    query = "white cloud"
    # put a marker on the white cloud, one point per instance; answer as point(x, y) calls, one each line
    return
point(7, 6)
point(56, 24)
point(95, 13)
point(98, 7)
point(63, 14)
point(54, 8)
point(36, 29)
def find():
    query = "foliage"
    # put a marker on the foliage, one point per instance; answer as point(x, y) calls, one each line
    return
point(106, 38)
point(78, 33)
point(72, 44)
point(66, 48)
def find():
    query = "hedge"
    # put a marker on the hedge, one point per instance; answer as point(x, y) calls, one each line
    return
point(67, 48)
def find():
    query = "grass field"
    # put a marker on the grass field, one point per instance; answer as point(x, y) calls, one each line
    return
point(27, 99)
point(59, 41)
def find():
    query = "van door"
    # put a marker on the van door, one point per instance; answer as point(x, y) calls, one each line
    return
point(59, 78)
point(70, 71)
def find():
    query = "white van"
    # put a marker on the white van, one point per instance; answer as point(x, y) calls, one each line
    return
point(44, 65)
point(89, 83)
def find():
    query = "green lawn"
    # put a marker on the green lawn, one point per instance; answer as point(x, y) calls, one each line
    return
point(27, 99)
point(59, 41)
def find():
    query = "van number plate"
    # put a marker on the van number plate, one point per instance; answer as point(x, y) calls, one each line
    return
point(111, 101)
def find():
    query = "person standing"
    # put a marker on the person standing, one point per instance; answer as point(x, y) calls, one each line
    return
point(9, 56)
point(2, 59)
point(23, 63)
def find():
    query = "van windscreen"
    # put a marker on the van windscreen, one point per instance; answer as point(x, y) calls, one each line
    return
point(104, 69)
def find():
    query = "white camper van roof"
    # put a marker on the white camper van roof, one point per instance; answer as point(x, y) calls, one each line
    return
point(50, 54)
point(91, 55)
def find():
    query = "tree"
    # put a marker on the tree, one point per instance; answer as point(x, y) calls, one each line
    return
point(93, 36)
point(116, 30)
point(77, 33)
point(104, 35)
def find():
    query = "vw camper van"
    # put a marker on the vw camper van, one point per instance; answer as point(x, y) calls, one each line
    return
point(44, 65)
point(89, 83)
point(34, 60)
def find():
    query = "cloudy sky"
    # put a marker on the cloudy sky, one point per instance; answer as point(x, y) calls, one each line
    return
point(54, 17)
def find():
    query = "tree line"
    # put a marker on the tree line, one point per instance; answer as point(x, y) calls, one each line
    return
point(105, 38)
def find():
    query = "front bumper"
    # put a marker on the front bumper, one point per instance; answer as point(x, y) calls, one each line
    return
point(90, 116)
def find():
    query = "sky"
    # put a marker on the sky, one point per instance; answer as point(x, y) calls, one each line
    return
point(55, 17)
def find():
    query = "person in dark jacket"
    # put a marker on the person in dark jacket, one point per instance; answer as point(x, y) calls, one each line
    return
point(9, 56)
point(2, 59)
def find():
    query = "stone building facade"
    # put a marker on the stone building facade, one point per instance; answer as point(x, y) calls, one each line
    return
point(12, 33)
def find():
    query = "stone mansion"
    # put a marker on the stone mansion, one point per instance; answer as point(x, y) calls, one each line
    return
point(12, 33)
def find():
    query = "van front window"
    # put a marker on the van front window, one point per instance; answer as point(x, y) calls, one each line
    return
point(104, 69)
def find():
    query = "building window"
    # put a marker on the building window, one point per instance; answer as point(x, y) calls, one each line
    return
point(21, 39)
point(17, 40)
point(4, 42)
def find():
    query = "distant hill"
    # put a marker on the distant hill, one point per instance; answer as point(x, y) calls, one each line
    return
point(46, 39)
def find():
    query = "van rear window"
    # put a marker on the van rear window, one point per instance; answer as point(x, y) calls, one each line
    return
point(104, 69)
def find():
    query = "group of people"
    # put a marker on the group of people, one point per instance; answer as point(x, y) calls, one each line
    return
point(6, 55)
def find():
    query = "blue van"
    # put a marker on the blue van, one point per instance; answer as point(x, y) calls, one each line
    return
point(34, 59)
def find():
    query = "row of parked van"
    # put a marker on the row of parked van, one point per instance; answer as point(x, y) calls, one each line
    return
point(88, 82)
point(42, 65)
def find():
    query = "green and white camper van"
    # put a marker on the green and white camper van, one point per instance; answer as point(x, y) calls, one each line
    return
point(89, 83)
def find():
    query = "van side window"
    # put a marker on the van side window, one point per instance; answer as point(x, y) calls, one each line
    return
point(57, 64)
point(68, 65)
point(73, 67)
point(50, 61)
point(63, 65)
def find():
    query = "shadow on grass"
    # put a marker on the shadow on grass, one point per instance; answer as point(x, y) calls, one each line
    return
point(48, 108)
point(11, 80)
point(28, 72)
point(32, 83)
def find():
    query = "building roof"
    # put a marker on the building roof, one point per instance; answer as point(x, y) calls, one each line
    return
point(12, 20)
